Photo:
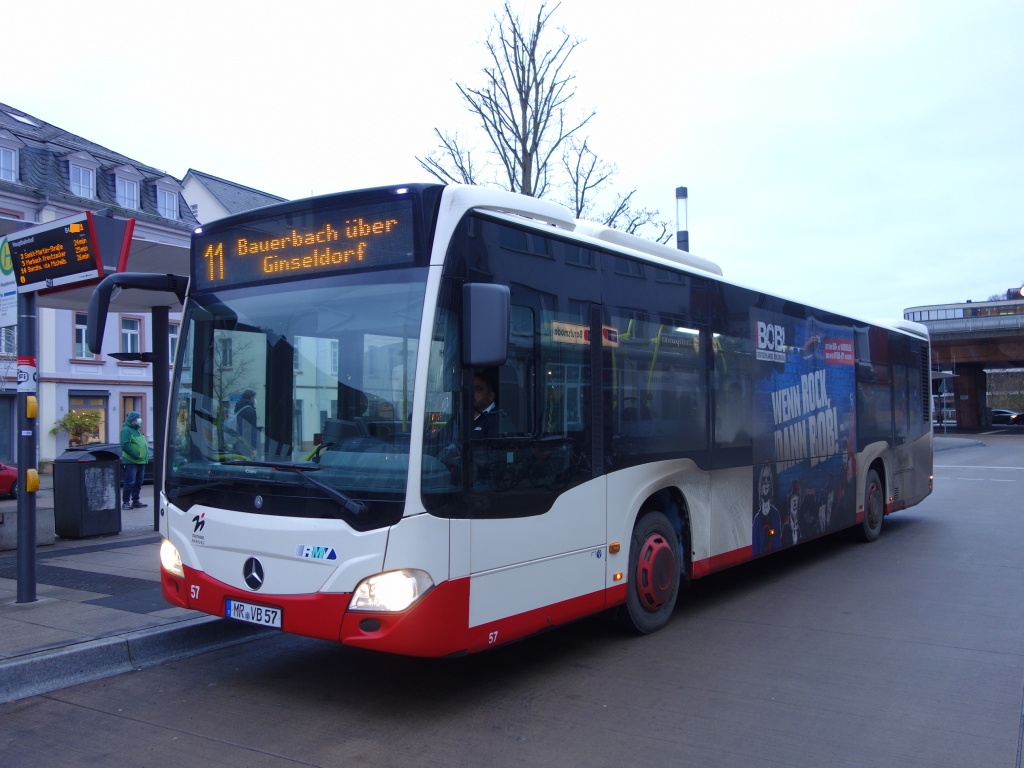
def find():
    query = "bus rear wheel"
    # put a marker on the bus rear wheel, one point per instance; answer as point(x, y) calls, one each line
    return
point(874, 507)
point(653, 575)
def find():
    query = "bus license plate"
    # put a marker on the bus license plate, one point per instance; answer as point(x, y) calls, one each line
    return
point(254, 614)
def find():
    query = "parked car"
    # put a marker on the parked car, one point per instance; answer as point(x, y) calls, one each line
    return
point(116, 449)
point(1004, 416)
point(9, 480)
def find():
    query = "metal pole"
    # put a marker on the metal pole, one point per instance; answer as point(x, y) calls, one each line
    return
point(27, 379)
point(161, 389)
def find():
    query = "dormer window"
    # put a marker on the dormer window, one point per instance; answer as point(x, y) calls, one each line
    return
point(83, 181)
point(9, 145)
point(167, 203)
point(8, 164)
point(127, 184)
point(127, 193)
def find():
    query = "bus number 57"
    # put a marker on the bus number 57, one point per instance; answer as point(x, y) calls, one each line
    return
point(492, 638)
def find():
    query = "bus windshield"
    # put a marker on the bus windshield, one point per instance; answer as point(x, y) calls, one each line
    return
point(290, 391)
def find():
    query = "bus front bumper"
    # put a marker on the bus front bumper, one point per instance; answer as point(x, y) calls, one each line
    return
point(436, 625)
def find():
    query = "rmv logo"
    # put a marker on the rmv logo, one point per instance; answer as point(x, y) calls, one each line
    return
point(315, 553)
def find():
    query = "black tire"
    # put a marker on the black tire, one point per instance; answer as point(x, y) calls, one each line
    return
point(14, 489)
point(874, 507)
point(653, 575)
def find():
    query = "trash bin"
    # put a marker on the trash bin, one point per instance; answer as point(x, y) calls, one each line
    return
point(86, 493)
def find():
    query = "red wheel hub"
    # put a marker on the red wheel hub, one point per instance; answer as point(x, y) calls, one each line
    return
point(654, 572)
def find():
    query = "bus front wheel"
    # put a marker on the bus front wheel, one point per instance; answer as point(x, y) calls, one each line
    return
point(874, 507)
point(653, 575)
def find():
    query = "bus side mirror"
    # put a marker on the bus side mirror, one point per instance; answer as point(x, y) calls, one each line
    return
point(485, 324)
point(102, 294)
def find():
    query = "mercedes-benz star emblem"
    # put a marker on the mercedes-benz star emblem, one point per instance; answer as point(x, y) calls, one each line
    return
point(258, 501)
point(252, 572)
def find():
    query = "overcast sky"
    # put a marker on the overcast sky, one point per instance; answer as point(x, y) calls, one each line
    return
point(860, 156)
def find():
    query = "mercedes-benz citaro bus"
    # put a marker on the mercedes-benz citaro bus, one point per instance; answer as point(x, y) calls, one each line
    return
point(432, 420)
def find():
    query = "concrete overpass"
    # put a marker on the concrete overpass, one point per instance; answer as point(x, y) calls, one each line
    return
point(966, 340)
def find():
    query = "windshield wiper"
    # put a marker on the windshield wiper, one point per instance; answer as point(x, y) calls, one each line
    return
point(357, 508)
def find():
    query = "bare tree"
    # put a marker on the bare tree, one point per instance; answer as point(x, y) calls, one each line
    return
point(585, 173)
point(522, 108)
point(522, 105)
point(451, 162)
point(623, 216)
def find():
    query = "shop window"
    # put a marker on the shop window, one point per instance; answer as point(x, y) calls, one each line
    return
point(91, 404)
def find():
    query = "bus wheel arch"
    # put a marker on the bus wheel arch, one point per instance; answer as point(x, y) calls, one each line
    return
point(671, 502)
point(658, 561)
point(874, 501)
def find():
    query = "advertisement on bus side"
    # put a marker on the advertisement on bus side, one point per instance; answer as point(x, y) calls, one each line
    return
point(804, 429)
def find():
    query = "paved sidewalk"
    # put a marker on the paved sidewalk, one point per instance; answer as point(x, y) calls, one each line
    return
point(94, 593)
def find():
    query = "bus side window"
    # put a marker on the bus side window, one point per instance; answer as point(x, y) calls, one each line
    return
point(734, 391)
point(874, 386)
point(732, 379)
point(655, 389)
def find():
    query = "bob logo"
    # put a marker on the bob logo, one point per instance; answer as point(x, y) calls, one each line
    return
point(771, 342)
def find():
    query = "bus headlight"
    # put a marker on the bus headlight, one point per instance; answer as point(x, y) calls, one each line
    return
point(170, 559)
point(390, 592)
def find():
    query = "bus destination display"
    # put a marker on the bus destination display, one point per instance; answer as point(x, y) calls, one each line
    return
point(57, 253)
point(306, 244)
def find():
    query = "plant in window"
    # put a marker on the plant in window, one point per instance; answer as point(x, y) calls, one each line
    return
point(78, 425)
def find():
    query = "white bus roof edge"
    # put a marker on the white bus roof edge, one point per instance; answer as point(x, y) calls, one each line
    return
point(906, 326)
point(642, 244)
point(466, 197)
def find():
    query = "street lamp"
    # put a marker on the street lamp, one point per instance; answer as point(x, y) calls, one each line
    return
point(682, 221)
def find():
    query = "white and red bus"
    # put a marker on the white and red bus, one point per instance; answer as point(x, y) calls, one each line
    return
point(431, 420)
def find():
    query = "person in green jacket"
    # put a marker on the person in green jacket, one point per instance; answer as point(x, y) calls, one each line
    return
point(134, 457)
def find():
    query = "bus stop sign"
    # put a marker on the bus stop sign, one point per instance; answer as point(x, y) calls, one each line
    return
point(57, 253)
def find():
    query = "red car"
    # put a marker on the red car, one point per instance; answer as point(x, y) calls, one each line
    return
point(9, 480)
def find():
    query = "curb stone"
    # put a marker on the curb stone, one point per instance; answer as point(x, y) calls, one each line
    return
point(952, 443)
point(45, 671)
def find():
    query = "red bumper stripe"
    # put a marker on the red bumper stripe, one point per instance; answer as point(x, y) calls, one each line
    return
point(436, 626)
point(722, 561)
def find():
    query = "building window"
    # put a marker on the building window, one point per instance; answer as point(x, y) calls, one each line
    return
point(297, 356)
point(574, 254)
point(334, 357)
point(8, 164)
point(668, 276)
point(127, 193)
point(9, 341)
point(195, 209)
point(225, 353)
point(172, 340)
point(167, 203)
point(81, 347)
point(83, 181)
point(130, 334)
point(628, 267)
